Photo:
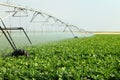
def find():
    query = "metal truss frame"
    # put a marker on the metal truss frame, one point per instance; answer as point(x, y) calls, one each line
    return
point(38, 12)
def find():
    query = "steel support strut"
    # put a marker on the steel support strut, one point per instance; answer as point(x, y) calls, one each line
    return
point(8, 35)
point(14, 48)
point(19, 28)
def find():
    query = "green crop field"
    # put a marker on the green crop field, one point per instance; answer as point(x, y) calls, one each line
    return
point(88, 58)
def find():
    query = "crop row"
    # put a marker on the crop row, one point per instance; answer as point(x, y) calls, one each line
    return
point(94, 58)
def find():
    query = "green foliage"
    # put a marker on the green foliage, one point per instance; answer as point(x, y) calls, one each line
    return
point(94, 58)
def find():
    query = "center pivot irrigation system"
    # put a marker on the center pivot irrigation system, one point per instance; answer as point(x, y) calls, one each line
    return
point(17, 9)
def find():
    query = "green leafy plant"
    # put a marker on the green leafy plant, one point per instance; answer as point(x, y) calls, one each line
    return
point(94, 58)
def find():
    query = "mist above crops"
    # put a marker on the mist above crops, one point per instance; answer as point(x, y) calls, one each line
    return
point(36, 38)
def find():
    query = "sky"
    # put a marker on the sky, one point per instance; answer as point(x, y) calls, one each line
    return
point(91, 15)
